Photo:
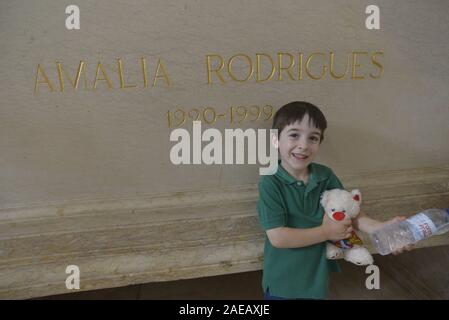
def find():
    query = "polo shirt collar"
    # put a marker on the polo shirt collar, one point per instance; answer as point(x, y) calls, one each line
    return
point(315, 174)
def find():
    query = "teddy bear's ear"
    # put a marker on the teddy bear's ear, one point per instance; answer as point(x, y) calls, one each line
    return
point(325, 198)
point(356, 195)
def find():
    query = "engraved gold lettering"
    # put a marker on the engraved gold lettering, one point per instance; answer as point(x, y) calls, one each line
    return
point(74, 83)
point(355, 64)
point(258, 66)
point(331, 67)
point(144, 72)
point(120, 74)
point(323, 69)
point(288, 68)
point(217, 71)
point(160, 66)
point(105, 76)
point(376, 63)
point(250, 64)
point(300, 66)
point(38, 82)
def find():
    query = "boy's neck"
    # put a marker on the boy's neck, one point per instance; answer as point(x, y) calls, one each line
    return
point(302, 175)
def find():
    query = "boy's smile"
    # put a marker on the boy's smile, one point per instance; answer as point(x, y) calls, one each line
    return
point(298, 145)
point(299, 156)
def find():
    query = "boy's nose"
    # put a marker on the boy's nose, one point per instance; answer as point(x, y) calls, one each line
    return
point(302, 145)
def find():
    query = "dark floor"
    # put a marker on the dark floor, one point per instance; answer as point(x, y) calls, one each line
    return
point(419, 274)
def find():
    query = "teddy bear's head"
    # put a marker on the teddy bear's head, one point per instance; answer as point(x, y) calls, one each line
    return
point(340, 204)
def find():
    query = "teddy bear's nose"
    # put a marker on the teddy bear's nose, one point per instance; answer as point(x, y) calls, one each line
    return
point(338, 215)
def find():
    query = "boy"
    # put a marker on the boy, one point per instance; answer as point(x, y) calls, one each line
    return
point(295, 264)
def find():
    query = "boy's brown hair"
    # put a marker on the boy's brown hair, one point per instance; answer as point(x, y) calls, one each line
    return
point(295, 111)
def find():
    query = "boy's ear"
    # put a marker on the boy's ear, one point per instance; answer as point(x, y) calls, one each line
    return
point(275, 141)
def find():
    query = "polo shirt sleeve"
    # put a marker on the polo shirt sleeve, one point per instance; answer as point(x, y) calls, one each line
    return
point(270, 206)
point(334, 182)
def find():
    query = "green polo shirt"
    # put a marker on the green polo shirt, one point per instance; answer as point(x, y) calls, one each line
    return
point(286, 202)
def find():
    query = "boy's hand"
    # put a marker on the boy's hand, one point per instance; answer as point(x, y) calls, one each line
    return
point(336, 230)
point(391, 221)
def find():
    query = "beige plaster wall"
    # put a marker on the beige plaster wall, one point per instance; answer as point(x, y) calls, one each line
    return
point(114, 143)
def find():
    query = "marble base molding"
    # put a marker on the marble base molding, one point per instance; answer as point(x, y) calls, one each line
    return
point(189, 234)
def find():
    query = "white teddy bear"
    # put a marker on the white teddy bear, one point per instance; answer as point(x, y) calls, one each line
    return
point(341, 205)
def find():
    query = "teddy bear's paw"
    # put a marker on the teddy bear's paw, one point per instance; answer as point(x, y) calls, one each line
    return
point(333, 252)
point(359, 256)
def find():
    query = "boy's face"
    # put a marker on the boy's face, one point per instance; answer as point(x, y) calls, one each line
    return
point(298, 145)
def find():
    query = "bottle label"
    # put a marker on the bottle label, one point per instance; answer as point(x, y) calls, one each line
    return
point(421, 226)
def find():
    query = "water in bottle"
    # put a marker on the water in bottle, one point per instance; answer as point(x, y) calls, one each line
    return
point(418, 227)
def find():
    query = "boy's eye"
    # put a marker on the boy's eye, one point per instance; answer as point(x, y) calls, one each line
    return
point(315, 139)
point(294, 135)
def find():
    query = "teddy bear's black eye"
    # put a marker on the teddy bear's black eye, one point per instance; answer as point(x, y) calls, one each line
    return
point(333, 209)
point(344, 211)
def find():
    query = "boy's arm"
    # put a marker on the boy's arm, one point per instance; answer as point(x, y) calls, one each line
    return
point(286, 237)
point(273, 216)
point(366, 224)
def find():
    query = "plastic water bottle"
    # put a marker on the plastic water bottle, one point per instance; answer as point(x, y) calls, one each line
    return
point(418, 227)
